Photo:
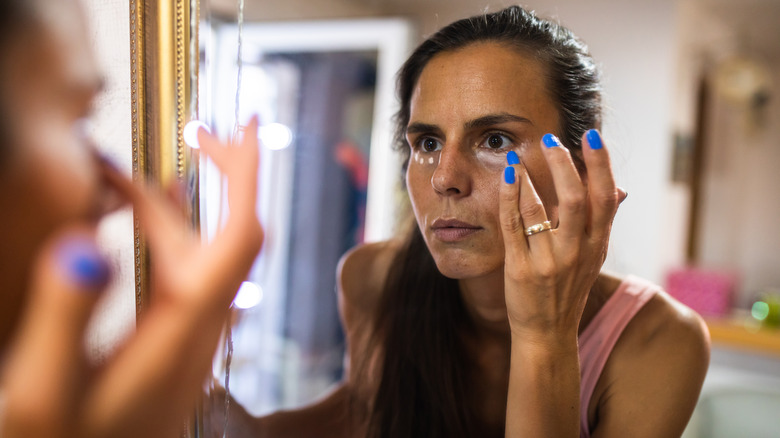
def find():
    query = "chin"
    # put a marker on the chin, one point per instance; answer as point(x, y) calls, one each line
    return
point(461, 268)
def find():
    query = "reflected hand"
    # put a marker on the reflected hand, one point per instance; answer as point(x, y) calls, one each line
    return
point(241, 424)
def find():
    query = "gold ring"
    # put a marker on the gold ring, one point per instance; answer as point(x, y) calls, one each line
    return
point(538, 228)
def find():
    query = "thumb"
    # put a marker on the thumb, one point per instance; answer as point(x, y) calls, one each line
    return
point(46, 370)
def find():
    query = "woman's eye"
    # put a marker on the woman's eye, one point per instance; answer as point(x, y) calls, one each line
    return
point(429, 144)
point(497, 141)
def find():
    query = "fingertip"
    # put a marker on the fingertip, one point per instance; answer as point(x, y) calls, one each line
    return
point(509, 175)
point(550, 141)
point(593, 137)
point(81, 264)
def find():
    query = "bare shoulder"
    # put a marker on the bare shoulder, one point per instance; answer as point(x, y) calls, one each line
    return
point(665, 323)
point(656, 368)
point(361, 277)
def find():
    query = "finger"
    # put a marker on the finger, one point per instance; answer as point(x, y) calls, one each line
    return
point(239, 163)
point(219, 152)
point(533, 213)
point(572, 194)
point(176, 195)
point(46, 370)
point(602, 191)
point(161, 220)
point(213, 147)
point(509, 212)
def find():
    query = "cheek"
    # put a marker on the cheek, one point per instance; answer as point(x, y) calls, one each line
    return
point(419, 174)
point(62, 173)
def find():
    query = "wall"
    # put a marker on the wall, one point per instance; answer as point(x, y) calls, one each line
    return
point(109, 22)
point(739, 210)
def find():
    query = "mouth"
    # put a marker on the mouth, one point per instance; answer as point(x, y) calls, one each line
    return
point(453, 230)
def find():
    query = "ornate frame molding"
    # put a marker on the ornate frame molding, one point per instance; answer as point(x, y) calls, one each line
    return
point(163, 78)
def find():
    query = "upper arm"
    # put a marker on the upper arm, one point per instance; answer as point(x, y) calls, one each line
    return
point(361, 277)
point(652, 383)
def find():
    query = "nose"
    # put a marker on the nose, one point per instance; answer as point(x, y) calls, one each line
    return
point(451, 177)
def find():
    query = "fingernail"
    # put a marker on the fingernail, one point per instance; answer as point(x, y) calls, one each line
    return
point(107, 160)
point(512, 158)
point(594, 139)
point(82, 263)
point(550, 141)
point(509, 175)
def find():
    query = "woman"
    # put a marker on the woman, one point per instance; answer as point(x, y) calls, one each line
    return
point(492, 318)
point(52, 193)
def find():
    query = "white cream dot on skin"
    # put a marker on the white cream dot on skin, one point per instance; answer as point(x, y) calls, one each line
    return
point(430, 160)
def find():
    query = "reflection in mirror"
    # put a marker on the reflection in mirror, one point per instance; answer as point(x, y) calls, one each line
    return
point(324, 95)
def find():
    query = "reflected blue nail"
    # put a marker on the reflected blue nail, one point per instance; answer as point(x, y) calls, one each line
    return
point(83, 264)
point(550, 141)
point(509, 175)
point(594, 139)
point(512, 158)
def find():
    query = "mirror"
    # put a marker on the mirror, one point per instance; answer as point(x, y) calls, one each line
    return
point(324, 92)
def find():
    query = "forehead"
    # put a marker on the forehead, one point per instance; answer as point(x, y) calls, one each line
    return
point(480, 79)
point(62, 48)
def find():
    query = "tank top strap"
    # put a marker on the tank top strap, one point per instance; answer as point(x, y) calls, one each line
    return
point(600, 336)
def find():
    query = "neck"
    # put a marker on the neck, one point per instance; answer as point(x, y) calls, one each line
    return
point(484, 300)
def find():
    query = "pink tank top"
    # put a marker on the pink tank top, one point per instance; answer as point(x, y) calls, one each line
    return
point(601, 335)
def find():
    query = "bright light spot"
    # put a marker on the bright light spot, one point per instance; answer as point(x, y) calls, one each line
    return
point(275, 136)
point(190, 133)
point(760, 310)
point(249, 295)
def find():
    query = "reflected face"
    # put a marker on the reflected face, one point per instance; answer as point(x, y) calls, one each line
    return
point(48, 178)
point(468, 109)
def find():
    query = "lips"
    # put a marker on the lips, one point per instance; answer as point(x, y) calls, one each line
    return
point(453, 230)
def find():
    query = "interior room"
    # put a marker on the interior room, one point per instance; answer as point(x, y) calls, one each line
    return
point(692, 95)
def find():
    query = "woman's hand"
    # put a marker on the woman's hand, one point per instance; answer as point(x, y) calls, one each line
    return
point(241, 423)
point(149, 386)
point(549, 274)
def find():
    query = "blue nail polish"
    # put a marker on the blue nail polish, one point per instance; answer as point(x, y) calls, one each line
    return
point(594, 139)
point(83, 264)
point(550, 141)
point(512, 158)
point(509, 175)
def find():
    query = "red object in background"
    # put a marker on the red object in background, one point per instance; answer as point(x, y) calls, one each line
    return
point(708, 292)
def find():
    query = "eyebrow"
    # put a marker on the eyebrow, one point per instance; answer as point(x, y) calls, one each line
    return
point(480, 122)
point(495, 119)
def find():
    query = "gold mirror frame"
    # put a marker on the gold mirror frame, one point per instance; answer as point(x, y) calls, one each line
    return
point(163, 79)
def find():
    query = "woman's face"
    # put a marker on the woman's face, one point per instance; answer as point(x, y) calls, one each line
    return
point(48, 177)
point(469, 108)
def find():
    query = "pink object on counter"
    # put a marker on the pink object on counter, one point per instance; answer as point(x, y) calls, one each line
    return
point(708, 292)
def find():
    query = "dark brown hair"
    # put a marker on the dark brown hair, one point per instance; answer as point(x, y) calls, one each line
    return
point(424, 388)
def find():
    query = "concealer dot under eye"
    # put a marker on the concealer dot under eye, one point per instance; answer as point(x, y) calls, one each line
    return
point(430, 159)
